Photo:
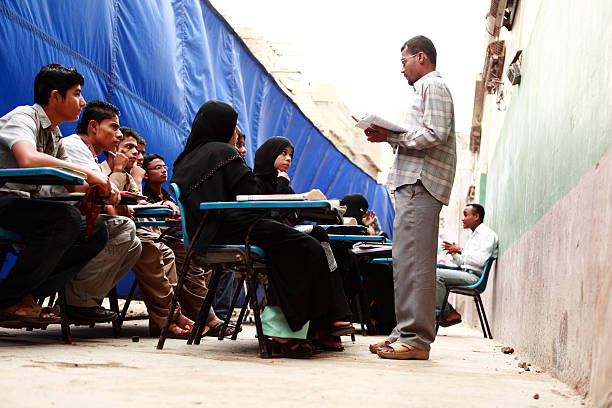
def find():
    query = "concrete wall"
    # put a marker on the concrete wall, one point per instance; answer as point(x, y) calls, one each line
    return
point(548, 196)
point(549, 296)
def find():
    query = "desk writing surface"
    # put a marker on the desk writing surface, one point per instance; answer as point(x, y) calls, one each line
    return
point(357, 238)
point(316, 210)
point(263, 204)
point(156, 212)
point(40, 176)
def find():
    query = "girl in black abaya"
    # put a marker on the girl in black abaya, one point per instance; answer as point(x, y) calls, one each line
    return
point(211, 169)
point(272, 160)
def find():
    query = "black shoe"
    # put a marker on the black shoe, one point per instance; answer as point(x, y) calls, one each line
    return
point(87, 315)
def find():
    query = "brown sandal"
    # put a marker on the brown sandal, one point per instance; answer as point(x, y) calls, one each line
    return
point(402, 351)
point(374, 347)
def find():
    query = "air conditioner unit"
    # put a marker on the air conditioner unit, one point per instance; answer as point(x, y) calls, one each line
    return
point(496, 54)
point(514, 69)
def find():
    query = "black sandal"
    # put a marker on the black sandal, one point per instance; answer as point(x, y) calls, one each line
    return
point(216, 329)
point(287, 349)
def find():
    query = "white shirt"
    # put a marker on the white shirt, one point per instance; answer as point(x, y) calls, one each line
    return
point(77, 152)
point(481, 245)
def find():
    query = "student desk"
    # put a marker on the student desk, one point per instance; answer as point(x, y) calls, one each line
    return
point(40, 176)
point(155, 212)
point(311, 210)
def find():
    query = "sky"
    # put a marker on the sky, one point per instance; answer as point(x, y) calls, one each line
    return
point(355, 45)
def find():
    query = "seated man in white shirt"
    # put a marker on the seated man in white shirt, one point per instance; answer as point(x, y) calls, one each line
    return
point(481, 245)
point(97, 131)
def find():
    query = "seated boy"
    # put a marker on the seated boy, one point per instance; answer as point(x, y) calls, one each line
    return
point(155, 270)
point(194, 290)
point(98, 130)
point(56, 243)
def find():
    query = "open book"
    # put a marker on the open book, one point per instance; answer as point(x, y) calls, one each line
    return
point(377, 120)
point(272, 197)
point(150, 207)
point(72, 172)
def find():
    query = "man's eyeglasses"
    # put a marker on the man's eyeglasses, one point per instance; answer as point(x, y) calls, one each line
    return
point(404, 60)
point(158, 167)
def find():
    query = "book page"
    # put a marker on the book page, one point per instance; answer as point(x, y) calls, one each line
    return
point(271, 197)
point(72, 172)
point(377, 120)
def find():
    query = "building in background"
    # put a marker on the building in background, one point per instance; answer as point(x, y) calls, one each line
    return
point(541, 141)
point(321, 103)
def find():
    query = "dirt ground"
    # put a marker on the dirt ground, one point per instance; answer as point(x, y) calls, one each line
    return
point(464, 370)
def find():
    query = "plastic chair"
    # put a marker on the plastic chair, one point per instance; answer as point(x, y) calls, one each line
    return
point(249, 260)
point(474, 291)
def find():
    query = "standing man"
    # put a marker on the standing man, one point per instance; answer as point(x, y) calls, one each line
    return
point(421, 177)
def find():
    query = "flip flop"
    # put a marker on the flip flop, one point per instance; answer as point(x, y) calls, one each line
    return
point(303, 349)
point(216, 329)
point(342, 330)
point(449, 323)
point(13, 317)
point(402, 351)
point(171, 335)
point(328, 347)
point(16, 324)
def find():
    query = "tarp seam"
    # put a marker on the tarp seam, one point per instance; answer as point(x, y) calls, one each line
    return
point(17, 19)
point(184, 73)
point(111, 84)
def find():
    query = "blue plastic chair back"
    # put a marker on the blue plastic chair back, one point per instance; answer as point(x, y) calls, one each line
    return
point(177, 195)
point(481, 285)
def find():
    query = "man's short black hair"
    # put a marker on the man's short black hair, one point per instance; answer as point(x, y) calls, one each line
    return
point(140, 140)
point(98, 111)
point(241, 135)
point(129, 132)
point(478, 209)
point(148, 158)
point(422, 44)
point(55, 76)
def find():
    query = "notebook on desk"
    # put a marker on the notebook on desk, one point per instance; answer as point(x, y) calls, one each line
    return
point(72, 172)
point(271, 197)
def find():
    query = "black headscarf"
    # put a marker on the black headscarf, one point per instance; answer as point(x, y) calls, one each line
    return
point(214, 122)
point(267, 153)
point(206, 149)
point(356, 206)
point(265, 173)
point(209, 169)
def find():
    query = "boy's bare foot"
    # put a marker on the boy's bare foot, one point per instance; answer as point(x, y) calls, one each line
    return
point(183, 323)
point(28, 308)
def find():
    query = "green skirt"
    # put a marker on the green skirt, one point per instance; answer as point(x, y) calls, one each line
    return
point(275, 324)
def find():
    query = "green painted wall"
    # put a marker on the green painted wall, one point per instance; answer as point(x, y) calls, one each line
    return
point(559, 121)
point(483, 188)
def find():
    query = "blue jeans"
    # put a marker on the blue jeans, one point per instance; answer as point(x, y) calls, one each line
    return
point(56, 246)
point(223, 296)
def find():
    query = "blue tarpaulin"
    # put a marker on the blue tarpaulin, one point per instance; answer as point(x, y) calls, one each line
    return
point(158, 61)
